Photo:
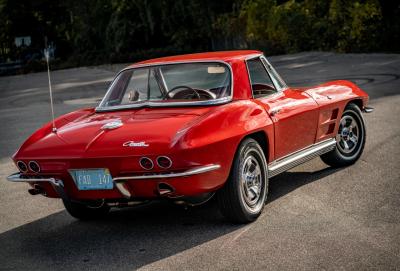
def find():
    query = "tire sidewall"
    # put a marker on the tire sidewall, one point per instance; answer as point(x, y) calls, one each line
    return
point(247, 147)
point(355, 112)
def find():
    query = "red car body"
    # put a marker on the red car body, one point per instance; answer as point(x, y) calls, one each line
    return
point(193, 137)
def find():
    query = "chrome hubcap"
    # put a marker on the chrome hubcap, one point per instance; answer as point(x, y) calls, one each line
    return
point(348, 135)
point(251, 181)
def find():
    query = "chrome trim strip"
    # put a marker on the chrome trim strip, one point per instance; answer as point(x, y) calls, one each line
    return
point(299, 157)
point(169, 104)
point(194, 171)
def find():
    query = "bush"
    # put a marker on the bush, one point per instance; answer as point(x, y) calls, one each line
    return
point(345, 26)
point(93, 32)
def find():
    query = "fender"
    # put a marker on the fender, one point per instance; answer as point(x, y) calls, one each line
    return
point(59, 122)
point(332, 98)
point(228, 125)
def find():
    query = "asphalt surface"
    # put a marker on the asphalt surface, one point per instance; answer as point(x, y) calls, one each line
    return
point(316, 217)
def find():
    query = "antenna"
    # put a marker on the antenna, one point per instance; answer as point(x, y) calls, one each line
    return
point(47, 55)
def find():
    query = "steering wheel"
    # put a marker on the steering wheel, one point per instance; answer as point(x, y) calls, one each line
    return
point(183, 88)
point(197, 93)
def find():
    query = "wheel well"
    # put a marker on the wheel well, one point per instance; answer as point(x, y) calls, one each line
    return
point(261, 139)
point(357, 102)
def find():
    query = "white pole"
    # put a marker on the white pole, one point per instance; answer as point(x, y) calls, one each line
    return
point(46, 53)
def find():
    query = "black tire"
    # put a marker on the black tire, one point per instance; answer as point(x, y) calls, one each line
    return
point(89, 211)
point(234, 203)
point(341, 156)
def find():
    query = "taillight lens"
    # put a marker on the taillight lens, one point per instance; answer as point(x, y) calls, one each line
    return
point(34, 166)
point(22, 166)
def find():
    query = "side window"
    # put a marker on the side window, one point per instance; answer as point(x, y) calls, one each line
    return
point(261, 83)
point(137, 87)
point(155, 92)
point(274, 75)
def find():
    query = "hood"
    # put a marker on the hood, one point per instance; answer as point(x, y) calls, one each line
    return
point(143, 131)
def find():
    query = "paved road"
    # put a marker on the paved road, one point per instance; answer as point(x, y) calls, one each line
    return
point(316, 217)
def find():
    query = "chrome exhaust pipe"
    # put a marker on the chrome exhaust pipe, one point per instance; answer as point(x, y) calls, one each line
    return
point(36, 190)
point(164, 189)
point(119, 204)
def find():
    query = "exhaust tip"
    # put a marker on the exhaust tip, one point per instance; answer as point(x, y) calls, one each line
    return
point(165, 189)
point(36, 190)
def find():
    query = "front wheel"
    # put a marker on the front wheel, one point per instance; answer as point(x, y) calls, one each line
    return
point(86, 211)
point(243, 196)
point(350, 139)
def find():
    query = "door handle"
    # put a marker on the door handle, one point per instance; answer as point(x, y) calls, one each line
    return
point(274, 111)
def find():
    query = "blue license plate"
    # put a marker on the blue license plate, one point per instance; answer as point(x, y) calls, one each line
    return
point(92, 179)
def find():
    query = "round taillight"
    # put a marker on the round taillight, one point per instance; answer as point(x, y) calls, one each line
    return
point(164, 162)
point(22, 166)
point(146, 163)
point(34, 166)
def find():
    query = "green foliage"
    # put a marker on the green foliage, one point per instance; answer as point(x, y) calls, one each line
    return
point(98, 31)
point(341, 25)
point(365, 25)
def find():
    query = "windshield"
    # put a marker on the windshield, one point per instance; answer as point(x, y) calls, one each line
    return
point(163, 84)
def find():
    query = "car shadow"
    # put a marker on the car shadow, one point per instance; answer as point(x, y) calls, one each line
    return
point(128, 238)
point(286, 182)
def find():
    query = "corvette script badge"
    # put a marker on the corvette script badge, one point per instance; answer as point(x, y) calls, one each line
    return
point(135, 144)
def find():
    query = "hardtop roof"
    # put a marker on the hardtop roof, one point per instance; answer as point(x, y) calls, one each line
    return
point(226, 56)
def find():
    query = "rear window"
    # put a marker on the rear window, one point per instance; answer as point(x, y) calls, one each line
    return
point(170, 83)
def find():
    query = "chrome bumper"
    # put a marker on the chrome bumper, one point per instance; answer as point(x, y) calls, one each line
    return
point(194, 171)
point(58, 185)
point(119, 181)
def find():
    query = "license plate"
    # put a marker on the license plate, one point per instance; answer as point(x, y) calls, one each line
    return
point(92, 179)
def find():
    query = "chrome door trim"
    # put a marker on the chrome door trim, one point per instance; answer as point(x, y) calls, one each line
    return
point(292, 160)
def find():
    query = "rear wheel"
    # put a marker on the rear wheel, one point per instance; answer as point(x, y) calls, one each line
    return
point(243, 197)
point(86, 211)
point(350, 139)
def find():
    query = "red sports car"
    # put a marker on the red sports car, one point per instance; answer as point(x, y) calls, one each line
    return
point(187, 128)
